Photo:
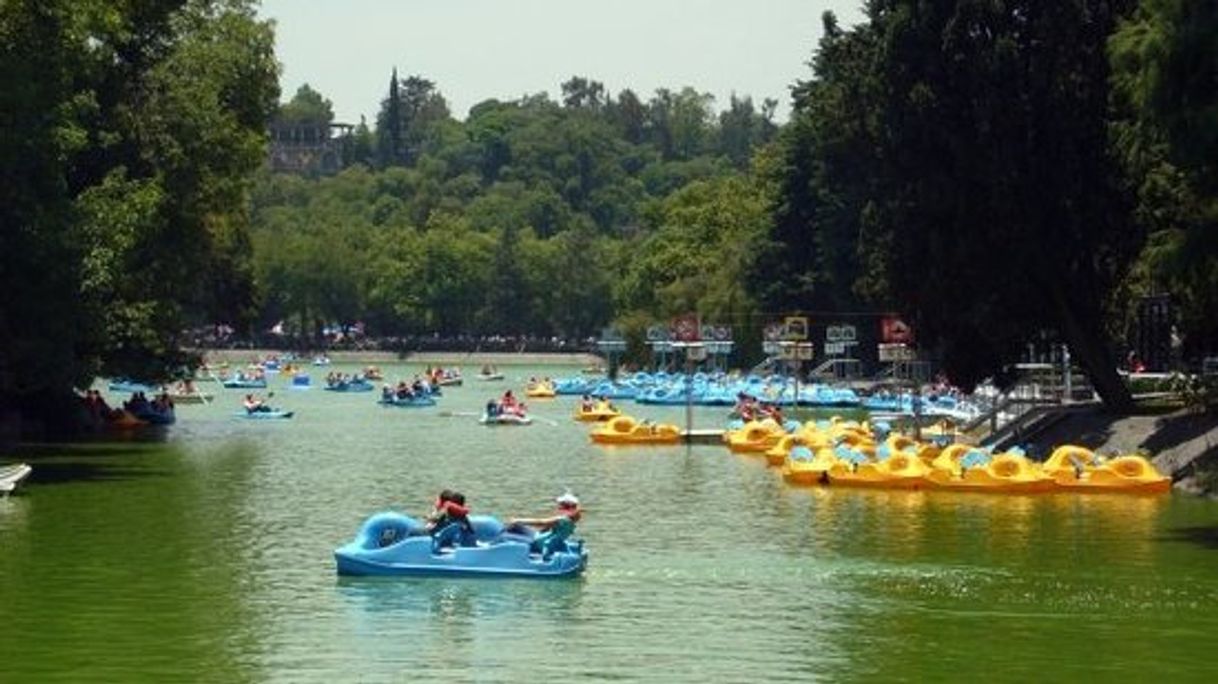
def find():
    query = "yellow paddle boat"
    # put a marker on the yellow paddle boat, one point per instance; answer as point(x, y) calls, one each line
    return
point(1005, 473)
point(805, 467)
point(541, 390)
point(902, 470)
point(755, 437)
point(1079, 469)
point(777, 454)
point(626, 430)
point(599, 413)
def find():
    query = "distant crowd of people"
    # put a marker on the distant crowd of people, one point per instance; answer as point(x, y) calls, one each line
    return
point(403, 344)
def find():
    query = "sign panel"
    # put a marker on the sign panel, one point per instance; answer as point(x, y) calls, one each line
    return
point(895, 352)
point(796, 328)
point(686, 328)
point(893, 330)
point(841, 333)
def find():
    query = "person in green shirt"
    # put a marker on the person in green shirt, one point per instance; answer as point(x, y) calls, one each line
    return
point(554, 530)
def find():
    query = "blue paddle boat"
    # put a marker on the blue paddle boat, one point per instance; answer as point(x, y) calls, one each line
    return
point(356, 385)
point(155, 416)
point(395, 544)
point(416, 401)
point(242, 382)
point(265, 414)
point(130, 386)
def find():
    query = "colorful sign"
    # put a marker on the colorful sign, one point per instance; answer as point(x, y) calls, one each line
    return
point(893, 330)
point(686, 328)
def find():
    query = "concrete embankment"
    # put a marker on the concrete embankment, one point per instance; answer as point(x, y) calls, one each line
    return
point(470, 360)
point(1183, 444)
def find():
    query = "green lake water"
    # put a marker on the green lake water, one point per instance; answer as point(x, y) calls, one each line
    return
point(207, 556)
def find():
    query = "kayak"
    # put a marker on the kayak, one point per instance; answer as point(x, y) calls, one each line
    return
point(410, 402)
point(271, 414)
point(392, 544)
point(489, 376)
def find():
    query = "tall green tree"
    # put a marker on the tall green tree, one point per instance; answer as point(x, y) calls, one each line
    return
point(130, 134)
point(307, 106)
point(963, 146)
point(1165, 79)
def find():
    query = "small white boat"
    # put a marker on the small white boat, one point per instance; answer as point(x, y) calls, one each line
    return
point(11, 476)
point(488, 377)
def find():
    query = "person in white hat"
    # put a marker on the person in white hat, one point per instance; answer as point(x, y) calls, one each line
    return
point(554, 530)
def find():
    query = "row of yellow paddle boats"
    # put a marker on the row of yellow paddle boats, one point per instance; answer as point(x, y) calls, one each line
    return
point(845, 453)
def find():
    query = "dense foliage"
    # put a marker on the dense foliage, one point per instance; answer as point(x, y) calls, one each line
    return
point(130, 132)
point(952, 159)
point(531, 216)
point(1165, 77)
point(995, 170)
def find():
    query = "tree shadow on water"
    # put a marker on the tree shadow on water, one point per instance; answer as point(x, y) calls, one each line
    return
point(91, 461)
point(1205, 536)
point(65, 472)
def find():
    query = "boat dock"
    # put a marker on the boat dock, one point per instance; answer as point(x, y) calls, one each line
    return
point(702, 436)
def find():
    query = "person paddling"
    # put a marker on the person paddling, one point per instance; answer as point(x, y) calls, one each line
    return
point(554, 530)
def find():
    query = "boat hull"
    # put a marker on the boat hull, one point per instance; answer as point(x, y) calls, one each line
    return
point(391, 544)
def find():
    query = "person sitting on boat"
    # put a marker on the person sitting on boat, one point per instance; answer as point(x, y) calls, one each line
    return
point(554, 530)
point(386, 393)
point(773, 412)
point(449, 523)
point(492, 408)
point(508, 399)
point(253, 404)
point(586, 405)
point(162, 403)
point(138, 402)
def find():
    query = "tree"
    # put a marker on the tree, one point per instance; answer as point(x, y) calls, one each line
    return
point(390, 144)
point(966, 140)
point(996, 184)
point(130, 135)
point(307, 106)
point(408, 119)
point(1165, 66)
point(583, 93)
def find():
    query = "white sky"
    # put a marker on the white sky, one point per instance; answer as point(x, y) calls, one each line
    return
point(480, 49)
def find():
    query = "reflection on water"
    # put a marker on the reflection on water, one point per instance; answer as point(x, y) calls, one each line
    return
point(213, 554)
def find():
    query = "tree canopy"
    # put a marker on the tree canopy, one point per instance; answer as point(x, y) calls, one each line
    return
point(130, 135)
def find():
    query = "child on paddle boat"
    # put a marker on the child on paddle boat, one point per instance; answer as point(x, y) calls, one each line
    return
point(449, 523)
point(554, 530)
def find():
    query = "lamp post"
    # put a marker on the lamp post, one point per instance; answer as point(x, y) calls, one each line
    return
point(694, 351)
